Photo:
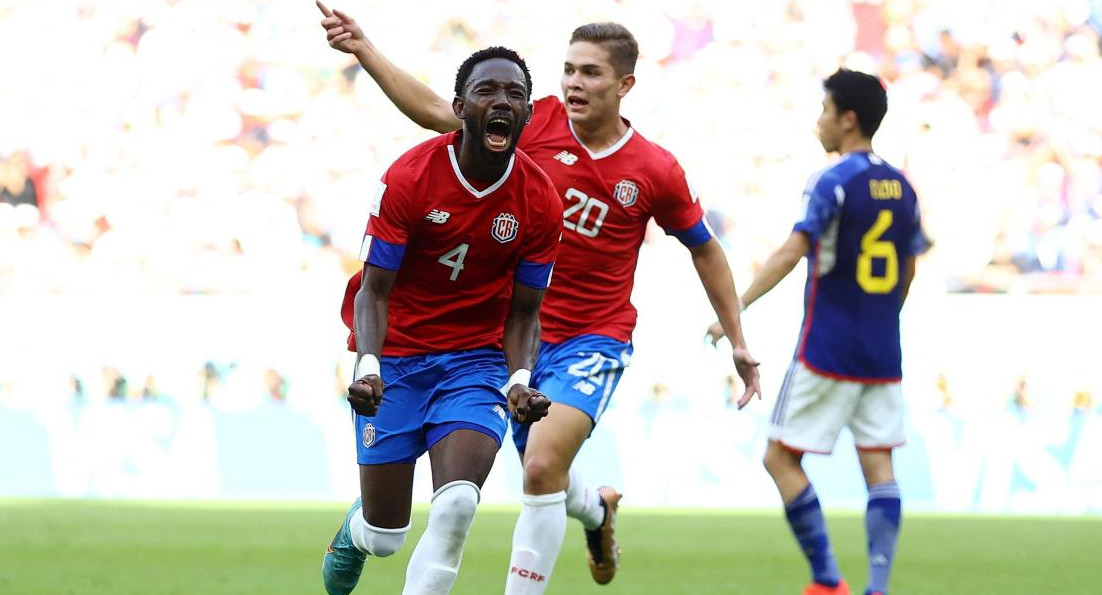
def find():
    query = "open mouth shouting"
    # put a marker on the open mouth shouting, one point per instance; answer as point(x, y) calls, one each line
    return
point(499, 131)
point(575, 103)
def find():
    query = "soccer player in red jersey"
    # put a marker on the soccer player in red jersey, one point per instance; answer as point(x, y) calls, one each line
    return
point(458, 252)
point(612, 181)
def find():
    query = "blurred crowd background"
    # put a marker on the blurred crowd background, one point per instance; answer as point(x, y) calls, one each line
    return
point(166, 147)
point(171, 148)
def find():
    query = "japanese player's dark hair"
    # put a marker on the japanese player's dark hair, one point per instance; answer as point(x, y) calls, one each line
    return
point(488, 54)
point(623, 50)
point(861, 93)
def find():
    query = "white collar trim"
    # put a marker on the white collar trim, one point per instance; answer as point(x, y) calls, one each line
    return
point(467, 185)
point(609, 151)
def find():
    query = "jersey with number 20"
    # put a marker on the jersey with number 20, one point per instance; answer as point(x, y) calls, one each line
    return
point(457, 250)
point(608, 197)
point(862, 220)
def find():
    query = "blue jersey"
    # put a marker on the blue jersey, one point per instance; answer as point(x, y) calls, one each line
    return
point(863, 223)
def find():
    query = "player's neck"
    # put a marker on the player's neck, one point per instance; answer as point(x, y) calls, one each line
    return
point(601, 135)
point(477, 170)
point(856, 144)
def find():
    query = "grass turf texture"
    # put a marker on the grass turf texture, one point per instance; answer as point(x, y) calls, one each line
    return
point(122, 547)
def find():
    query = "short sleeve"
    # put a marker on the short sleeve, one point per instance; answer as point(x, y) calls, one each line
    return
point(677, 210)
point(537, 260)
point(822, 203)
point(388, 226)
point(918, 242)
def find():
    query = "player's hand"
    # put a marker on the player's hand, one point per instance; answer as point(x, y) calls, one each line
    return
point(527, 405)
point(747, 368)
point(343, 32)
point(366, 395)
point(714, 333)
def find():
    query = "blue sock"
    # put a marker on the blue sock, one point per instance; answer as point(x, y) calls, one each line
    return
point(806, 518)
point(882, 523)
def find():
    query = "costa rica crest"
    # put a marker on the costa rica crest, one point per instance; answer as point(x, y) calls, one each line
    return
point(368, 435)
point(626, 192)
point(505, 228)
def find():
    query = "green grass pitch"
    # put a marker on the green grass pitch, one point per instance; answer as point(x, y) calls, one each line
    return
point(121, 547)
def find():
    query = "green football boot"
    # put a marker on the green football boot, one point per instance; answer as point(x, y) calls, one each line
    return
point(343, 561)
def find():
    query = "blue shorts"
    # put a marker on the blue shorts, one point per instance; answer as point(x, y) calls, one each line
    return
point(429, 396)
point(581, 372)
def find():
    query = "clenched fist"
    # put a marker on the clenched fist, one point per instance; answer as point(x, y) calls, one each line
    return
point(527, 405)
point(366, 395)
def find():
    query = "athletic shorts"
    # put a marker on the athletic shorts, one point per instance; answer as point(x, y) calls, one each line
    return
point(812, 409)
point(429, 396)
point(580, 372)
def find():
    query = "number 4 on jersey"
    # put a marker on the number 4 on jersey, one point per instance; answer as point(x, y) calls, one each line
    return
point(454, 260)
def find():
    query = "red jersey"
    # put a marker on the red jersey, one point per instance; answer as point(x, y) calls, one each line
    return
point(608, 198)
point(457, 250)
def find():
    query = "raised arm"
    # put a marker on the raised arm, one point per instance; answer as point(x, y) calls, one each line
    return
point(365, 394)
point(412, 97)
point(715, 274)
point(520, 343)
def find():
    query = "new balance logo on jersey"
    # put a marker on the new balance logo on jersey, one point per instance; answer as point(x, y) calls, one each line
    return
point(566, 157)
point(438, 216)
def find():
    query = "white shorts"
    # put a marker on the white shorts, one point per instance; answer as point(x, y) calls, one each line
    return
point(813, 408)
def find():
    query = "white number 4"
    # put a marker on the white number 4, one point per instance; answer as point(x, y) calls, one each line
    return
point(454, 259)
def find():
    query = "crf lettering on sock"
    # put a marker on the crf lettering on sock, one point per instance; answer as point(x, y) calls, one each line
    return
point(537, 539)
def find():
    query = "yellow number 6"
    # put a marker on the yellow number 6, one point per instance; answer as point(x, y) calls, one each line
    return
point(873, 247)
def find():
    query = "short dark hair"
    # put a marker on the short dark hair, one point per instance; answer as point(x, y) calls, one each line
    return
point(488, 54)
point(623, 50)
point(861, 93)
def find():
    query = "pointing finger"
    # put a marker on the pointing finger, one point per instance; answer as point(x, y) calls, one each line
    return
point(325, 11)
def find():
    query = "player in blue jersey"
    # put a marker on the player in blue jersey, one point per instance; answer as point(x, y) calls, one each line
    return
point(861, 234)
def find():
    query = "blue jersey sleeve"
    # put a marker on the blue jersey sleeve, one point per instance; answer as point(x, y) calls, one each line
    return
point(919, 242)
point(534, 274)
point(386, 255)
point(822, 203)
point(694, 236)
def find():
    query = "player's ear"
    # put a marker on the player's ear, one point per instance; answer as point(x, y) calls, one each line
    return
point(849, 120)
point(457, 107)
point(626, 83)
point(528, 110)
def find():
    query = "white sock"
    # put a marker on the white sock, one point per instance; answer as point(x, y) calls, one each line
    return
point(435, 562)
point(537, 539)
point(373, 540)
point(583, 503)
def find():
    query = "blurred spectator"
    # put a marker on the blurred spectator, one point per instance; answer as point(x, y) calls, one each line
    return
point(226, 170)
point(275, 386)
point(16, 185)
point(114, 383)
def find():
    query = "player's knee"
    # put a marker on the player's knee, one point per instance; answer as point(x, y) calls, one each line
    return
point(384, 542)
point(543, 475)
point(453, 508)
point(777, 460)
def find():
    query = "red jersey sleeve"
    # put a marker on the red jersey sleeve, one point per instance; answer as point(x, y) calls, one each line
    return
point(678, 211)
point(391, 208)
point(537, 259)
point(544, 243)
